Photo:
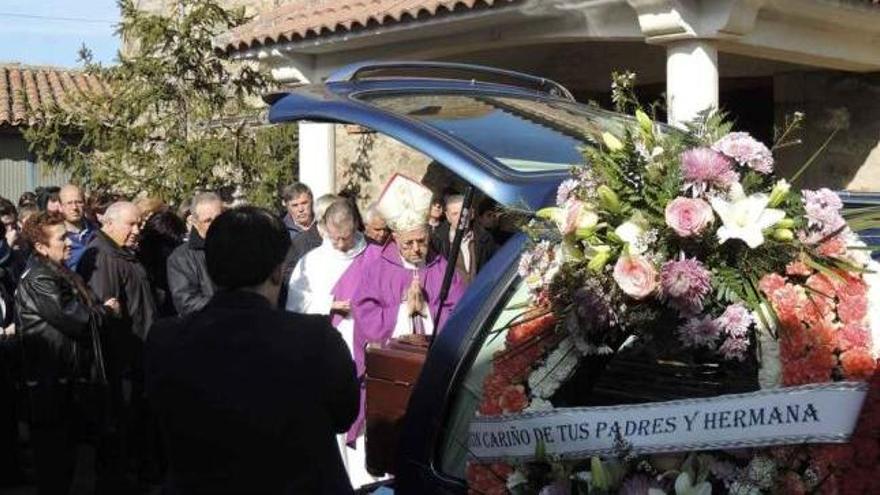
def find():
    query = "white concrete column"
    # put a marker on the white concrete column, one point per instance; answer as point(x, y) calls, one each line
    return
point(691, 79)
point(317, 157)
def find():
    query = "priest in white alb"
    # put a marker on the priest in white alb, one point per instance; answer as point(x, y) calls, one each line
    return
point(313, 289)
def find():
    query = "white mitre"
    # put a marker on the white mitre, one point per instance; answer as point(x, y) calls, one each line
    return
point(404, 203)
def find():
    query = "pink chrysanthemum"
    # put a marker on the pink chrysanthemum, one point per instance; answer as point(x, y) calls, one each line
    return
point(735, 321)
point(822, 208)
point(565, 190)
point(684, 284)
point(698, 332)
point(703, 168)
point(735, 347)
point(747, 151)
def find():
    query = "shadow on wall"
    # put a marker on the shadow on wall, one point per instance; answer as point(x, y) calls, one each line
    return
point(360, 169)
point(832, 100)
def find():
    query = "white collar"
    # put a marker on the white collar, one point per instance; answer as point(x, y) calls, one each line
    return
point(411, 266)
point(360, 244)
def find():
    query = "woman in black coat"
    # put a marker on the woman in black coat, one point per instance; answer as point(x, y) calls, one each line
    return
point(57, 321)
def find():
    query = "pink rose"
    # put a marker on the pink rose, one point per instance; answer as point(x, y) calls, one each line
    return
point(688, 217)
point(635, 276)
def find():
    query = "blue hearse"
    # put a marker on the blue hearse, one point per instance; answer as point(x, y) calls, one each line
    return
point(511, 136)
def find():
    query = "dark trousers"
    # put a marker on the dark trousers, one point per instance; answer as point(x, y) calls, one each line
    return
point(10, 467)
point(112, 460)
point(54, 457)
point(129, 448)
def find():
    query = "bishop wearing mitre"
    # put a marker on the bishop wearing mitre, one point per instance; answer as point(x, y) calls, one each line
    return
point(399, 290)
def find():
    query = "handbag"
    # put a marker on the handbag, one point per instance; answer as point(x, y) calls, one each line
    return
point(92, 392)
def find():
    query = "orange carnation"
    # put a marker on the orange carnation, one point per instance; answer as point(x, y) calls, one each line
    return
point(858, 364)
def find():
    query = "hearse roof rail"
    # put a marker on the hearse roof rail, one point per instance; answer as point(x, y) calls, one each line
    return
point(448, 70)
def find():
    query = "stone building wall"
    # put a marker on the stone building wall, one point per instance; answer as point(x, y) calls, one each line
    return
point(366, 160)
point(829, 99)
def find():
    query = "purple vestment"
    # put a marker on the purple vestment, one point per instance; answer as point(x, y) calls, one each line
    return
point(378, 294)
point(351, 278)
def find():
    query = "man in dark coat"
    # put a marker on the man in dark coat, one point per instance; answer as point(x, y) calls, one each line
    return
point(477, 245)
point(299, 209)
point(191, 287)
point(112, 270)
point(250, 397)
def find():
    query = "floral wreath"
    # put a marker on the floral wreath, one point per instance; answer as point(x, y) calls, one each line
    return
point(686, 244)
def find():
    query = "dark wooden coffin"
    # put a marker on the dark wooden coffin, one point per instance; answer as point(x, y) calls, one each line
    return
point(391, 374)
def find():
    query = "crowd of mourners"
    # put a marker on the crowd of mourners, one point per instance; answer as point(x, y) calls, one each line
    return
point(210, 348)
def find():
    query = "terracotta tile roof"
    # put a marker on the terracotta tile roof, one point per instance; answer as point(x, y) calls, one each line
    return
point(25, 91)
point(305, 19)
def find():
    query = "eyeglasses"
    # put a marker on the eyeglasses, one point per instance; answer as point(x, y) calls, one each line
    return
point(75, 202)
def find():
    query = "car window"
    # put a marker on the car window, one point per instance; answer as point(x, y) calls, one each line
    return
point(526, 135)
point(854, 201)
point(453, 453)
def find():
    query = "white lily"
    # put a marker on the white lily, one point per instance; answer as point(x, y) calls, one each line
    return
point(632, 232)
point(684, 486)
point(745, 217)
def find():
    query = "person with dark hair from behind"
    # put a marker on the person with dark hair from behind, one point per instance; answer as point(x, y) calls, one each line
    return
point(163, 232)
point(57, 319)
point(250, 397)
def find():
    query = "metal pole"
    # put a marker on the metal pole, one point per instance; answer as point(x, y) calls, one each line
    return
point(463, 224)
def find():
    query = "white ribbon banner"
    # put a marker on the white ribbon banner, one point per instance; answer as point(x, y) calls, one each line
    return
point(819, 413)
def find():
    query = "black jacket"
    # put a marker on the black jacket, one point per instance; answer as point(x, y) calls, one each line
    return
point(250, 398)
point(191, 287)
point(302, 244)
point(483, 248)
point(114, 271)
point(54, 322)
